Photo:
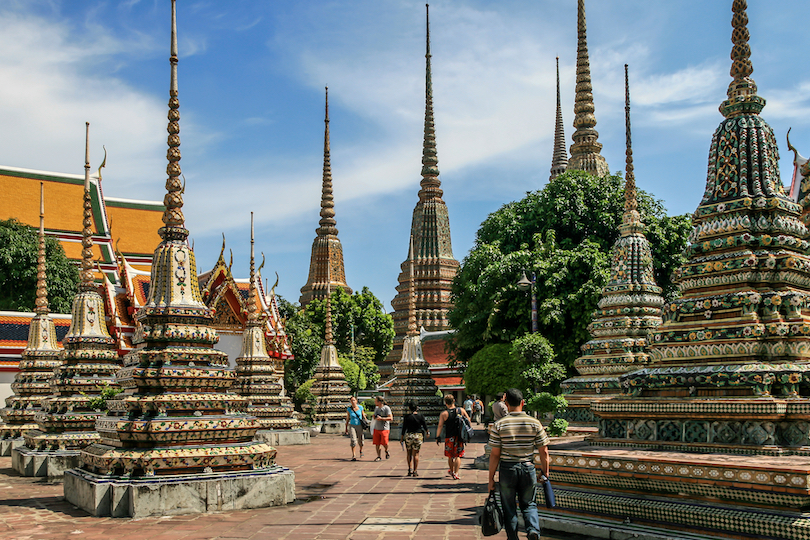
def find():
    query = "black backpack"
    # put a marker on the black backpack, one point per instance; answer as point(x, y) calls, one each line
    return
point(463, 427)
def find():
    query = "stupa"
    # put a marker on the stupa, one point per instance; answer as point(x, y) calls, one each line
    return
point(327, 251)
point(713, 436)
point(67, 419)
point(175, 441)
point(413, 381)
point(330, 389)
point(433, 260)
point(629, 309)
point(559, 159)
point(39, 358)
point(257, 380)
point(586, 150)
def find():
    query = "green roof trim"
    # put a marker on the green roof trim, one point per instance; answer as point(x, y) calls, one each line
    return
point(154, 207)
point(40, 176)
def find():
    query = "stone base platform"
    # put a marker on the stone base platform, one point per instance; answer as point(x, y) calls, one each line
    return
point(182, 494)
point(716, 494)
point(332, 427)
point(277, 437)
point(7, 445)
point(52, 464)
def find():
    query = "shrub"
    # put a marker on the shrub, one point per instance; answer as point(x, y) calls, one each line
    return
point(546, 403)
point(557, 427)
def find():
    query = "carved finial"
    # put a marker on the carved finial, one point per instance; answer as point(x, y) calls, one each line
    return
point(328, 323)
point(559, 160)
point(252, 316)
point(585, 152)
point(87, 224)
point(742, 91)
point(222, 251)
point(42, 276)
point(327, 222)
point(174, 222)
point(631, 221)
point(230, 263)
point(430, 184)
point(103, 164)
point(412, 329)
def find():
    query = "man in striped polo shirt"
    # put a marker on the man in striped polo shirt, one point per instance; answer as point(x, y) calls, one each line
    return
point(513, 440)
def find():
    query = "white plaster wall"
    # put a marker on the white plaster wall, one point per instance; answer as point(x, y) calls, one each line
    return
point(6, 378)
point(230, 344)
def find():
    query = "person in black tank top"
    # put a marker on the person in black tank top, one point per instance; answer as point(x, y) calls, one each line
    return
point(414, 429)
point(453, 443)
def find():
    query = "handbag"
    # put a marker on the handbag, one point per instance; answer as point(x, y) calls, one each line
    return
point(548, 492)
point(362, 418)
point(491, 519)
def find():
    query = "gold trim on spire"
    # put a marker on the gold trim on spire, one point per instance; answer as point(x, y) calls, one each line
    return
point(631, 220)
point(86, 273)
point(412, 329)
point(430, 184)
point(173, 200)
point(559, 160)
point(585, 152)
point(742, 91)
point(42, 276)
point(328, 222)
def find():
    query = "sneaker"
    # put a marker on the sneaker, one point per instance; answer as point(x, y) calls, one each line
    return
point(415, 473)
point(455, 476)
point(377, 458)
point(532, 535)
point(410, 472)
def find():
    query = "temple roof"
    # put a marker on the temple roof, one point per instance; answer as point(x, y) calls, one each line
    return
point(129, 223)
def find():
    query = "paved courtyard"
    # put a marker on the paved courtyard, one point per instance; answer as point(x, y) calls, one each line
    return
point(336, 499)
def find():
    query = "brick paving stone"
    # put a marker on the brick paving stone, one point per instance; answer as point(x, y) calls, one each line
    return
point(335, 495)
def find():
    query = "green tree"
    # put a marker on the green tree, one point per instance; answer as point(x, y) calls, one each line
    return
point(19, 245)
point(355, 378)
point(491, 370)
point(563, 234)
point(373, 334)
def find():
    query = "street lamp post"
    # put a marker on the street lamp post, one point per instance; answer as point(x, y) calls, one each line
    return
point(526, 284)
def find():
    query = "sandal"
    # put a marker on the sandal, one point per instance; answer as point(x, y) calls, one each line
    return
point(415, 473)
point(354, 459)
point(377, 458)
point(387, 455)
point(410, 472)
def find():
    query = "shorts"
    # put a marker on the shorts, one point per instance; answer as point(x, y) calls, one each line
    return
point(381, 437)
point(413, 441)
point(453, 447)
point(356, 433)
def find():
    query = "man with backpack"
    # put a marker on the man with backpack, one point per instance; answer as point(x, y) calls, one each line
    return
point(455, 421)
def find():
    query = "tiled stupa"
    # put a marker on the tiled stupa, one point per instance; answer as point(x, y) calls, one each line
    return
point(39, 358)
point(257, 380)
point(586, 150)
point(326, 260)
point(433, 259)
point(413, 381)
point(66, 422)
point(175, 441)
point(559, 159)
point(713, 436)
point(628, 310)
point(330, 389)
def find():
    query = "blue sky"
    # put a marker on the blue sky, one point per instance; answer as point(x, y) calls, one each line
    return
point(251, 79)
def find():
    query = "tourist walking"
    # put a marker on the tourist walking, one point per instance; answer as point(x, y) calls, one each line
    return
point(453, 443)
point(414, 430)
point(354, 426)
point(468, 406)
point(382, 426)
point(478, 410)
point(513, 440)
point(499, 409)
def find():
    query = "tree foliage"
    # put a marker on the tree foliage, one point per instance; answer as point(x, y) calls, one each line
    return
point(19, 245)
point(373, 334)
point(563, 235)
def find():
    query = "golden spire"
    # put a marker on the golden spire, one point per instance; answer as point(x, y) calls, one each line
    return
point(173, 220)
point(742, 91)
point(412, 329)
point(559, 160)
point(631, 221)
point(42, 276)
point(252, 315)
point(430, 184)
point(86, 273)
point(585, 154)
point(327, 223)
point(328, 322)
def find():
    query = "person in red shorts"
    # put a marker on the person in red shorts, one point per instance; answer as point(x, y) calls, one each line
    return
point(382, 426)
point(453, 444)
